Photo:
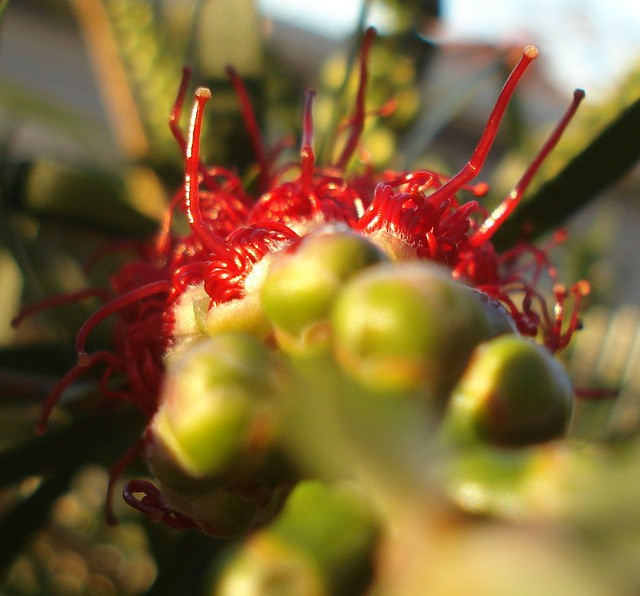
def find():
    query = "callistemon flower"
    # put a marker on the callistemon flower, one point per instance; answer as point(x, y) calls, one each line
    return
point(258, 280)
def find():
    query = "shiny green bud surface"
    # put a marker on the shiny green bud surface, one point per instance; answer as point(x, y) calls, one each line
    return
point(408, 327)
point(218, 409)
point(304, 281)
point(513, 393)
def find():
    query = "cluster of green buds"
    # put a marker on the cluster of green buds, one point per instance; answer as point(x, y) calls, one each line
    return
point(339, 312)
point(218, 443)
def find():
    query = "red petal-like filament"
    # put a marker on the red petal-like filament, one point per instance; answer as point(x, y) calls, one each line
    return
point(251, 122)
point(502, 211)
point(111, 307)
point(307, 157)
point(209, 239)
point(471, 170)
point(78, 296)
point(357, 122)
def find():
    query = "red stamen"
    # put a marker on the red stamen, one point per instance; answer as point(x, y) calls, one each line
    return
point(78, 296)
point(251, 122)
point(76, 372)
point(426, 178)
point(176, 112)
point(579, 290)
point(111, 307)
point(209, 239)
point(307, 157)
point(116, 472)
point(357, 122)
point(174, 125)
point(162, 240)
point(471, 170)
point(387, 108)
point(500, 214)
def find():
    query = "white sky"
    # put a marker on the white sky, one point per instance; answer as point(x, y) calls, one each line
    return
point(585, 43)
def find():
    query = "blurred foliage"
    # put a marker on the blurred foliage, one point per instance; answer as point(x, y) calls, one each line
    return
point(572, 506)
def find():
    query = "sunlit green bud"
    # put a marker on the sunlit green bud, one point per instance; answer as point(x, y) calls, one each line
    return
point(321, 544)
point(408, 327)
point(218, 410)
point(265, 566)
point(513, 393)
point(304, 281)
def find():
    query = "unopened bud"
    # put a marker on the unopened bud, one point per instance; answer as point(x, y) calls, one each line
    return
point(513, 393)
point(218, 411)
point(304, 281)
point(243, 314)
point(408, 327)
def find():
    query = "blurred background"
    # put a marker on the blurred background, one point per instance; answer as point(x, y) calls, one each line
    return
point(86, 87)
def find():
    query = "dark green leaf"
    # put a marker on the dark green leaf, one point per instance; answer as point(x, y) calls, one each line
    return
point(609, 157)
point(44, 359)
point(97, 437)
point(92, 199)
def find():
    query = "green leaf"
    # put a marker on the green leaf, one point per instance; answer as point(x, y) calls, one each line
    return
point(604, 161)
point(88, 198)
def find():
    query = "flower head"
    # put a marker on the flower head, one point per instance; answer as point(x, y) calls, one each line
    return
point(182, 288)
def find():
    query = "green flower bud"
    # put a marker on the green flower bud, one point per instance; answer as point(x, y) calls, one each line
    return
point(218, 414)
point(322, 543)
point(408, 327)
point(304, 281)
point(513, 393)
